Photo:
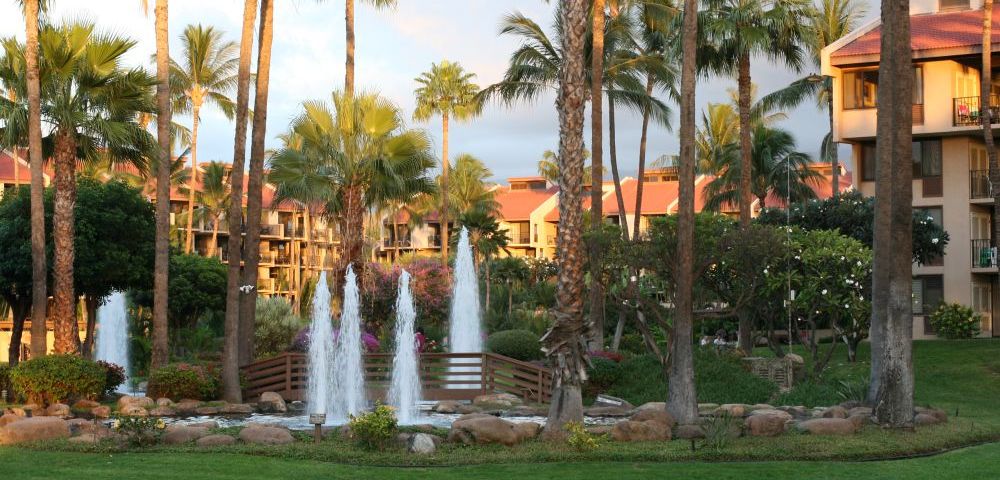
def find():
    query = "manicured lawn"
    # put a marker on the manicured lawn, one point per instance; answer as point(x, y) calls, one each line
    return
point(973, 462)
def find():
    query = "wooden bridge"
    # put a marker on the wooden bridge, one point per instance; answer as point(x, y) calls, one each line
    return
point(481, 373)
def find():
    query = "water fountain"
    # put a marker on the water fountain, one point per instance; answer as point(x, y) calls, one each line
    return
point(404, 391)
point(319, 393)
point(465, 332)
point(348, 366)
point(112, 334)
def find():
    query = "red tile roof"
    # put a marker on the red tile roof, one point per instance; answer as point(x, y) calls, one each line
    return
point(517, 205)
point(930, 32)
point(656, 196)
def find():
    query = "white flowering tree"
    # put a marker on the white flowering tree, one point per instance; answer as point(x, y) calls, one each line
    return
point(830, 275)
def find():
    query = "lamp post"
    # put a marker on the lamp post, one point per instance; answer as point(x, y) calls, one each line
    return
point(317, 420)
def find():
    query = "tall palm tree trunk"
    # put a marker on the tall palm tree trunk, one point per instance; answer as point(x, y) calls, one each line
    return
point(597, 171)
point(613, 151)
point(891, 333)
point(161, 262)
point(641, 176)
point(352, 230)
point(444, 188)
point(985, 89)
point(746, 167)
point(565, 342)
point(67, 337)
point(193, 181)
point(248, 305)
point(215, 236)
point(834, 154)
point(39, 266)
point(349, 61)
point(234, 217)
point(682, 399)
point(19, 311)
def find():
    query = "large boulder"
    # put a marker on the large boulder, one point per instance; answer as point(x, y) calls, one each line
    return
point(215, 441)
point(163, 411)
point(127, 401)
point(497, 400)
point(925, 419)
point(133, 411)
point(633, 431)
point(835, 411)
point(447, 406)
point(689, 432)
point(829, 426)
point(767, 424)
point(33, 429)
point(164, 402)
point(208, 410)
point(9, 418)
point(237, 409)
point(652, 406)
point(60, 410)
point(262, 435)
point(657, 416)
point(85, 404)
point(177, 434)
point(102, 412)
point(481, 429)
point(271, 402)
point(733, 409)
point(597, 411)
point(527, 430)
point(862, 411)
point(421, 444)
point(940, 415)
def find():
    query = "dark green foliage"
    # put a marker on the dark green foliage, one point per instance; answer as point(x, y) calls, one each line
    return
point(374, 430)
point(601, 376)
point(516, 344)
point(955, 321)
point(5, 381)
point(58, 379)
point(197, 287)
point(718, 378)
point(114, 376)
point(811, 393)
point(183, 380)
point(276, 326)
point(852, 214)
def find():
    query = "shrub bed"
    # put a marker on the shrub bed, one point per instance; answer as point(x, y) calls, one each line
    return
point(114, 376)
point(517, 344)
point(955, 321)
point(183, 380)
point(58, 379)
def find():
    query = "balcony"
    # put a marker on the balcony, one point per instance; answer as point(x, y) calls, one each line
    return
point(966, 111)
point(979, 184)
point(984, 254)
point(272, 230)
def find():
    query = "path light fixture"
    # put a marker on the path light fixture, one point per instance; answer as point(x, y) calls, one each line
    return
point(317, 420)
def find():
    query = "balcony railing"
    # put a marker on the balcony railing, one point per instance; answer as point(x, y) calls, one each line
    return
point(984, 253)
point(979, 184)
point(966, 111)
point(272, 230)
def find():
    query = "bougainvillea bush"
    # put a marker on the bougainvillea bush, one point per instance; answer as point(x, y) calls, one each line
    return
point(430, 286)
point(184, 380)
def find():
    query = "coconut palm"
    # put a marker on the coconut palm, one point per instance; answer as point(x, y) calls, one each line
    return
point(213, 199)
point(234, 218)
point(548, 167)
point(737, 30)
point(446, 90)
point(487, 240)
point(205, 74)
point(349, 28)
point(92, 107)
point(831, 21)
point(776, 169)
point(718, 139)
point(356, 155)
point(565, 343)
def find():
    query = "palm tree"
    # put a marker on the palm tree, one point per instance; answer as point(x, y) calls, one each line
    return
point(735, 31)
point(548, 167)
point(682, 399)
point(355, 154)
point(207, 74)
point(469, 191)
point(833, 20)
point(717, 141)
point(565, 343)
point(487, 240)
point(891, 333)
point(349, 27)
point(39, 272)
point(446, 90)
point(92, 107)
point(234, 218)
point(776, 169)
point(213, 199)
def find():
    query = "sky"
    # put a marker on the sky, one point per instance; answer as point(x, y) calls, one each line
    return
point(394, 46)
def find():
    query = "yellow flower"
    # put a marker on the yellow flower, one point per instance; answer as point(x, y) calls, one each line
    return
point(160, 425)
point(116, 424)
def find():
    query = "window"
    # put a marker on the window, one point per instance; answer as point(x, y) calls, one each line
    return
point(934, 213)
point(861, 88)
point(928, 293)
point(868, 162)
point(953, 5)
point(926, 158)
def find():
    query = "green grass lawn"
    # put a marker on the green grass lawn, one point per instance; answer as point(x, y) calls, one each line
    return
point(961, 377)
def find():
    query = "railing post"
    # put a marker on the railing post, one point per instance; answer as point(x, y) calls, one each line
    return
point(288, 375)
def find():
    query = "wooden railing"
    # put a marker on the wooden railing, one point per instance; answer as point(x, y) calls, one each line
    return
point(444, 376)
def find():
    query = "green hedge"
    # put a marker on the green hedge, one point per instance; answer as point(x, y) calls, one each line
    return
point(183, 380)
point(516, 344)
point(955, 321)
point(58, 379)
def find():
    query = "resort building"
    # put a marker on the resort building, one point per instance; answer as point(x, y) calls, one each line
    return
point(950, 167)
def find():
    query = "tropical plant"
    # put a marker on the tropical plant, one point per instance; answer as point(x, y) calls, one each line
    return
point(776, 170)
point(956, 321)
point(92, 107)
point(207, 74)
point(358, 154)
point(469, 192)
point(734, 32)
point(276, 326)
point(374, 430)
point(163, 164)
point(446, 90)
point(548, 167)
point(213, 199)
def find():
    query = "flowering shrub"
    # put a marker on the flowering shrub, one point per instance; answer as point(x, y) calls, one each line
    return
point(58, 379)
point(139, 431)
point(184, 380)
point(301, 342)
point(376, 429)
point(579, 438)
point(955, 321)
point(430, 287)
point(114, 376)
